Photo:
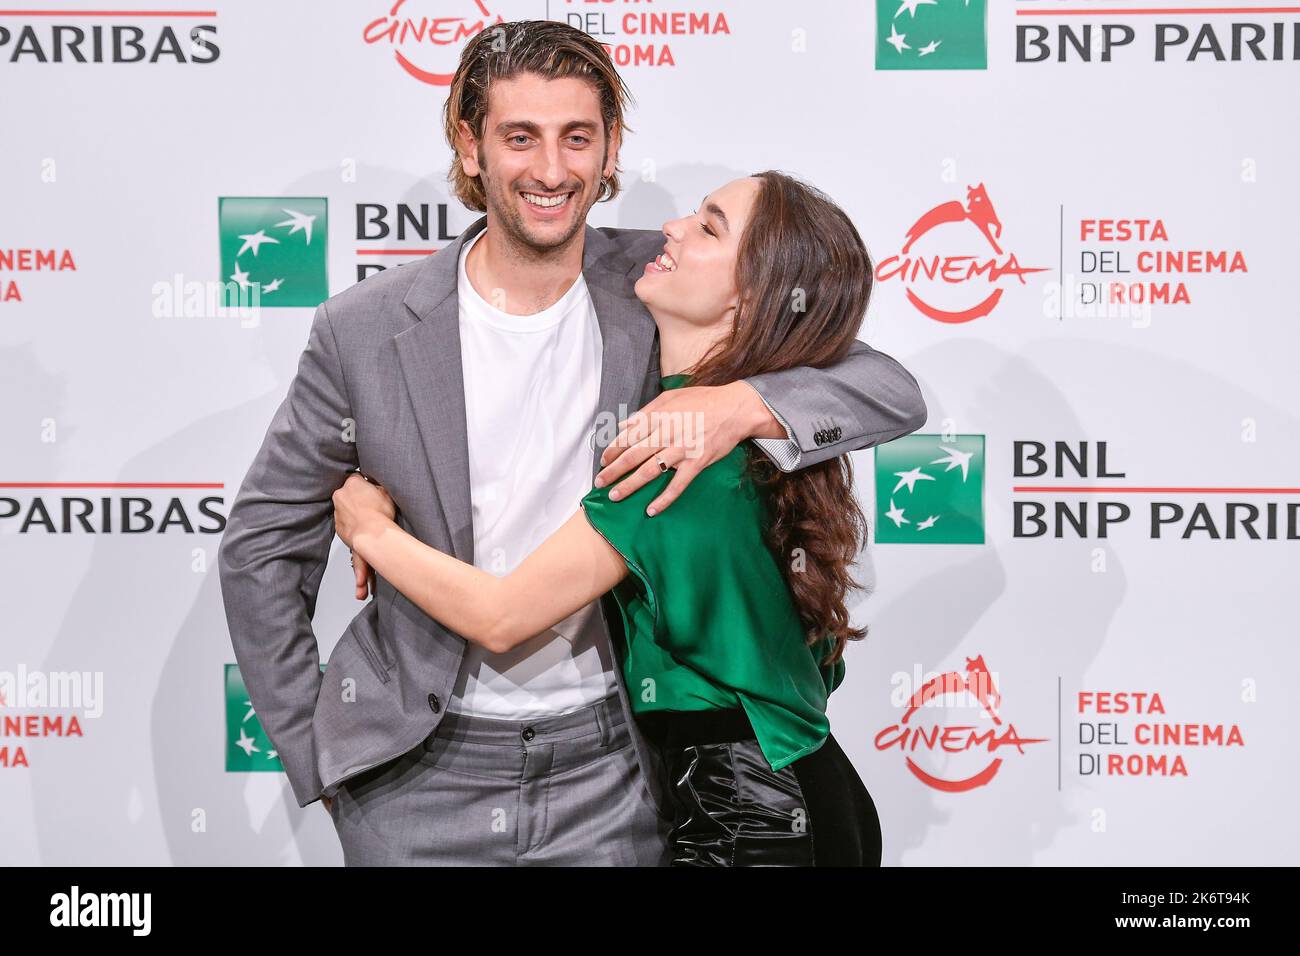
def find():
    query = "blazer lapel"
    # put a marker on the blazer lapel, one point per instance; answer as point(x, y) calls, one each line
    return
point(627, 333)
point(429, 354)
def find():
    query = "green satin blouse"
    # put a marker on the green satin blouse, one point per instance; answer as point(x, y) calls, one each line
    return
point(708, 618)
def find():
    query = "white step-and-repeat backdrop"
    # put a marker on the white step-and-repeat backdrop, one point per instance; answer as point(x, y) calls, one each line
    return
point(1083, 569)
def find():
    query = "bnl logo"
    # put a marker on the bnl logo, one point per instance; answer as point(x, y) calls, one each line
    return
point(931, 35)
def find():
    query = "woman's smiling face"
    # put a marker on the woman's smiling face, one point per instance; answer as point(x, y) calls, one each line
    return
point(694, 277)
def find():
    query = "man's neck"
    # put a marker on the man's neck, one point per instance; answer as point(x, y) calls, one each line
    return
point(518, 280)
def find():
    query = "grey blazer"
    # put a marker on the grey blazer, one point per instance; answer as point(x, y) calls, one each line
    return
point(379, 387)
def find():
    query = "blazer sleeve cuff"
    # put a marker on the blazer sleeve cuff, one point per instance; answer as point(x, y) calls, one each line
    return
point(784, 452)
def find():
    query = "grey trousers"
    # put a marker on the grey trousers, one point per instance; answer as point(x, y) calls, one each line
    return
point(552, 791)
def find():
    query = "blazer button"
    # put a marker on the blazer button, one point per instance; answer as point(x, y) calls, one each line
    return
point(434, 705)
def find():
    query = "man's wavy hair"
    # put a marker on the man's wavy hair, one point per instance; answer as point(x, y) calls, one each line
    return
point(549, 49)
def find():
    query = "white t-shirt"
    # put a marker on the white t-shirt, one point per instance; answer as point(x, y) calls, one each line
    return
point(532, 383)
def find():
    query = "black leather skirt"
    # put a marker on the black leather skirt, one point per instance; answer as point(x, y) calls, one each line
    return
point(731, 809)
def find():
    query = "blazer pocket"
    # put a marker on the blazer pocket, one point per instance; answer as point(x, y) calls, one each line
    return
point(363, 628)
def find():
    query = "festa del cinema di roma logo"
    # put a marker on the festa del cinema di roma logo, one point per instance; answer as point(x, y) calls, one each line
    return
point(428, 47)
point(943, 280)
point(957, 739)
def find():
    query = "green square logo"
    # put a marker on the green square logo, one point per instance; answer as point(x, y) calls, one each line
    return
point(247, 746)
point(273, 251)
point(931, 35)
point(930, 491)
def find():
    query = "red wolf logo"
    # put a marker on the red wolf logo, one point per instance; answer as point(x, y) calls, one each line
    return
point(978, 210)
point(978, 682)
point(943, 268)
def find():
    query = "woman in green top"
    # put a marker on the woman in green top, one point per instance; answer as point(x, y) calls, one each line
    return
point(733, 599)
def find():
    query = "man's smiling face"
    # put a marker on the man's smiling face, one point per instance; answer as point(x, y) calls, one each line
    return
point(541, 158)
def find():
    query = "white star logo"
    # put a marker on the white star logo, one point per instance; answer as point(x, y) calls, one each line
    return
point(299, 221)
point(896, 39)
point(254, 240)
point(910, 478)
point(240, 277)
point(911, 5)
point(955, 459)
point(895, 514)
point(927, 523)
point(250, 713)
point(272, 286)
point(928, 48)
point(245, 743)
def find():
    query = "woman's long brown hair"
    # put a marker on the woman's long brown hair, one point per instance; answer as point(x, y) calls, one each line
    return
point(804, 279)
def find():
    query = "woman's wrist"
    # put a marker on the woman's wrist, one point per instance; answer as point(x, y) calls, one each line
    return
point(370, 530)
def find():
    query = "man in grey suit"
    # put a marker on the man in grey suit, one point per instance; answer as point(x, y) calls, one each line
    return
point(474, 385)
